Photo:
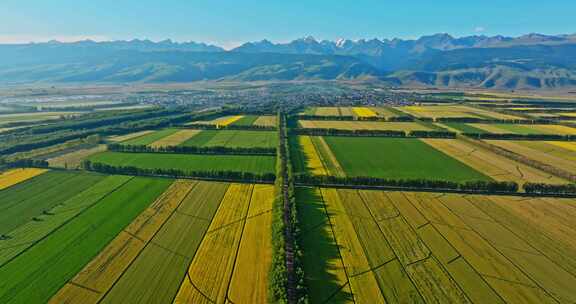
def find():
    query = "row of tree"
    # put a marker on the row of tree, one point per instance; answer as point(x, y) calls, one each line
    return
point(25, 163)
point(541, 188)
point(180, 173)
point(513, 136)
point(373, 133)
point(228, 127)
point(191, 149)
point(415, 184)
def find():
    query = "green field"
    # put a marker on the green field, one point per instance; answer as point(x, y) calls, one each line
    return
point(36, 274)
point(464, 128)
point(398, 159)
point(26, 201)
point(234, 138)
point(246, 120)
point(193, 162)
point(150, 138)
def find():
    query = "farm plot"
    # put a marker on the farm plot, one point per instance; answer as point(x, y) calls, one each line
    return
point(446, 248)
point(246, 120)
point(31, 117)
point(437, 111)
point(15, 176)
point(192, 162)
point(539, 152)
point(224, 263)
point(364, 125)
point(333, 111)
point(398, 159)
point(304, 156)
point(221, 121)
point(525, 129)
point(39, 272)
point(234, 139)
point(495, 166)
point(176, 138)
point(266, 121)
point(73, 159)
point(129, 136)
point(149, 138)
point(26, 201)
point(364, 112)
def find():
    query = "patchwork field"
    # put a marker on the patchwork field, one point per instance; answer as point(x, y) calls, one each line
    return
point(559, 155)
point(233, 139)
point(220, 121)
point(436, 111)
point(73, 160)
point(398, 159)
point(364, 125)
point(149, 137)
point(403, 247)
point(525, 129)
point(192, 162)
point(176, 138)
point(491, 164)
point(266, 121)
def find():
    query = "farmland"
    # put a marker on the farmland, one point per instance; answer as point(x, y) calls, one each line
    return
point(397, 158)
point(15, 176)
point(437, 111)
point(233, 138)
point(364, 125)
point(421, 247)
point(149, 138)
point(253, 164)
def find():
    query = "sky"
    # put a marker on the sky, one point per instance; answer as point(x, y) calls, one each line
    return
point(229, 23)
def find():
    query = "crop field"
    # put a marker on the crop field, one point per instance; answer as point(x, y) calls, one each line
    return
point(12, 177)
point(525, 129)
point(176, 138)
point(246, 120)
point(192, 162)
point(305, 158)
point(30, 117)
point(266, 121)
point(550, 154)
point(73, 159)
point(149, 138)
point(364, 125)
point(375, 247)
point(37, 273)
point(233, 139)
point(491, 164)
point(364, 112)
point(127, 137)
point(221, 121)
point(437, 111)
point(332, 111)
point(402, 158)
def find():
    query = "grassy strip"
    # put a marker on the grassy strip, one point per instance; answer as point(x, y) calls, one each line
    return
point(41, 271)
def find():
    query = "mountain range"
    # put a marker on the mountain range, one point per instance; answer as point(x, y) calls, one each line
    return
point(527, 62)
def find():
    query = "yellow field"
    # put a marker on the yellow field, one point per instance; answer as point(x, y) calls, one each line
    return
point(454, 248)
point(328, 159)
point(266, 121)
point(363, 125)
point(250, 278)
point(105, 269)
point(491, 164)
point(453, 111)
point(210, 272)
point(364, 112)
point(15, 176)
point(121, 138)
point(221, 121)
point(176, 138)
point(540, 129)
point(313, 162)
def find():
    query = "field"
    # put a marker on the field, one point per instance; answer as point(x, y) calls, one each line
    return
point(398, 158)
point(221, 121)
point(364, 112)
point(525, 129)
point(332, 111)
point(437, 111)
point(375, 247)
point(364, 125)
point(129, 136)
point(73, 159)
point(15, 176)
point(491, 164)
point(193, 162)
point(31, 117)
point(266, 121)
point(558, 155)
point(176, 138)
point(37, 273)
point(233, 138)
point(149, 138)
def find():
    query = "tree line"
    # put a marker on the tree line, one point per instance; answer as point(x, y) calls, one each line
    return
point(228, 127)
point(414, 184)
point(541, 188)
point(191, 149)
point(513, 136)
point(372, 133)
point(179, 173)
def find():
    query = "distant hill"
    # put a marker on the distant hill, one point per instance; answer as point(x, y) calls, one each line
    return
point(530, 61)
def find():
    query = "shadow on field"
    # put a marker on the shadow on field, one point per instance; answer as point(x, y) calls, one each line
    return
point(320, 250)
point(299, 159)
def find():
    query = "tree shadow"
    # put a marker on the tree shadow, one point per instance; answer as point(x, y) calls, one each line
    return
point(320, 251)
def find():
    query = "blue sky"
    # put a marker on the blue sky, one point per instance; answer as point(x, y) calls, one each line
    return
point(231, 22)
